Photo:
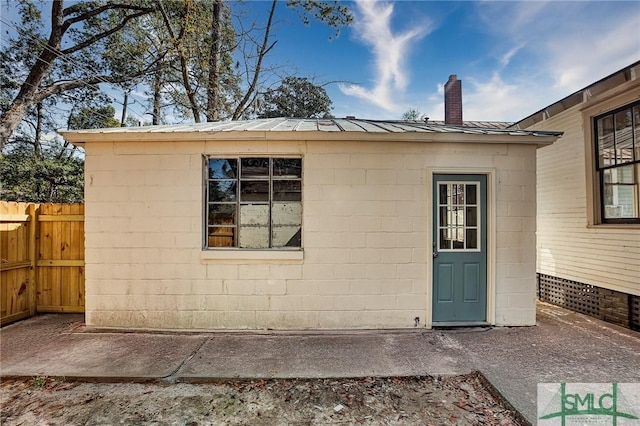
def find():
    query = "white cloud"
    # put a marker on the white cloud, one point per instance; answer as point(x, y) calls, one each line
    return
point(550, 50)
point(373, 28)
point(539, 52)
point(596, 54)
point(506, 58)
point(495, 99)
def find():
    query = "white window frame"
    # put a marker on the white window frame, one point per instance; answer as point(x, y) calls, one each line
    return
point(478, 226)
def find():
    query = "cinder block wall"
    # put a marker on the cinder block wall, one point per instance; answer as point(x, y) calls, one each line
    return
point(366, 250)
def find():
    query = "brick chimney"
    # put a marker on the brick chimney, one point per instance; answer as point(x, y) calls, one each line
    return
point(453, 101)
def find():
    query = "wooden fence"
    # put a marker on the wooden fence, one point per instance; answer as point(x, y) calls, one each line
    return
point(41, 259)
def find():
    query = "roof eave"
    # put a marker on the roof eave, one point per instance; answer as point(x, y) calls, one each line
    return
point(537, 138)
point(576, 97)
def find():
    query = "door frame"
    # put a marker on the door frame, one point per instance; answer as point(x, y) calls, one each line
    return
point(490, 173)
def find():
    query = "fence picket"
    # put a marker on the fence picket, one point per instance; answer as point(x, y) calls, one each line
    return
point(41, 261)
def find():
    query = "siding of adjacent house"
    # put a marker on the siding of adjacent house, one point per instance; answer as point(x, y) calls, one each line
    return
point(568, 247)
point(365, 236)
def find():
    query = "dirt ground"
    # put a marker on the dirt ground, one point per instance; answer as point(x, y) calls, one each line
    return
point(459, 400)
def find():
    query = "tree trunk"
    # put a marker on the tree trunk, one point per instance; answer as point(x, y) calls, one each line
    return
point(177, 45)
point(157, 97)
point(191, 94)
point(213, 88)
point(37, 148)
point(11, 118)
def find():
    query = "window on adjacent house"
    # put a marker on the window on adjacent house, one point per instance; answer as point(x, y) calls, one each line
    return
point(254, 202)
point(617, 146)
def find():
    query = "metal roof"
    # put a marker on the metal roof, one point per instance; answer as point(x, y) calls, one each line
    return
point(483, 124)
point(315, 125)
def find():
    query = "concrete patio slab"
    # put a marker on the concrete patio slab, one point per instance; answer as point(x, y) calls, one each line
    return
point(323, 356)
point(563, 347)
point(52, 345)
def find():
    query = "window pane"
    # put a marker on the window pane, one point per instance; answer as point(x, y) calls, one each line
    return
point(221, 237)
point(287, 167)
point(222, 214)
point(286, 236)
point(222, 190)
point(443, 193)
point(287, 190)
point(448, 216)
point(254, 226)
point(458, 217)
point(286, 221)
point(254, 215)
point(472, 238)
point(445, 238)
point(254, 167)
point(458, 243)
point(471, 194)
point(472, 216)
point(443, 216)
point(286, 214)
point(624, 136)
point(458, 194)
point(254, 190)
point(606, 154)
point(223, 168)
point(620, 193)
point(254, 237)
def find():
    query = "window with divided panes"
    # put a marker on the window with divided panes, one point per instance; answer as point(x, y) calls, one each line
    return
point(254, 202)
point(617, 146)
point(458, 216)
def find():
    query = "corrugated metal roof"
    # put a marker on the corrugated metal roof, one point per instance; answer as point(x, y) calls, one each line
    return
point(483, 124)
point(320, 125)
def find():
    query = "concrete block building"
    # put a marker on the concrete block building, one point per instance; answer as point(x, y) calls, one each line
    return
point(310, 224)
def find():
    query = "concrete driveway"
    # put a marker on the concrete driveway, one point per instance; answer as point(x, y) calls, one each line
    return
point(563, 347)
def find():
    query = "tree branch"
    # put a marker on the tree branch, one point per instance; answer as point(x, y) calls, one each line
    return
point(102, 35)
point(264, 49)
point(90, 14)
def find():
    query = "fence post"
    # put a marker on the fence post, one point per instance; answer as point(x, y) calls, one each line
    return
point(33, 257)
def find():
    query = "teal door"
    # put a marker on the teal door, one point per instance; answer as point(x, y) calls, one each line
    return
point(459, 249)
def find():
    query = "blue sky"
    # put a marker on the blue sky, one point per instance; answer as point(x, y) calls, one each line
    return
point(513, 58)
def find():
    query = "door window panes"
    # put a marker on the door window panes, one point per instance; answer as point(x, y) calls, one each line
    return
point(458, 211)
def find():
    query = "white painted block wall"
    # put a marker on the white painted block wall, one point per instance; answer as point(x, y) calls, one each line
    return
point(365, 235)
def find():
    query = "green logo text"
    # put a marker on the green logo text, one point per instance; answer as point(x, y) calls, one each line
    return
point(589, 404)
